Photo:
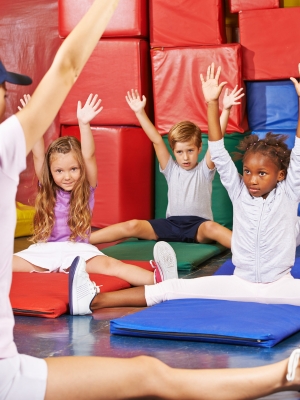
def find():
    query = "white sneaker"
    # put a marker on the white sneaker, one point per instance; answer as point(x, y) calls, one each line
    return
point(292, 365)
point(165, 259)
point(81, 289)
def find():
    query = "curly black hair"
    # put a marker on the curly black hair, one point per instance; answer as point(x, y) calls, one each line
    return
point(272, 146)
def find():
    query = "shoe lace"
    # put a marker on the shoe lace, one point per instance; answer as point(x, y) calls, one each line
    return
point(153, 264)
point(293, 364)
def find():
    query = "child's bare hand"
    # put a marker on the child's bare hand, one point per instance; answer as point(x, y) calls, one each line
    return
point(211, 87)
point(231, 99)
point(89, 111)
point(296, 83)
point(134, 101)
point(24, 102)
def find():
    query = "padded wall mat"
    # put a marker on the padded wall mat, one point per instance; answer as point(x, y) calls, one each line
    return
point(46, 295)
point(217, 321)
point(188, 255)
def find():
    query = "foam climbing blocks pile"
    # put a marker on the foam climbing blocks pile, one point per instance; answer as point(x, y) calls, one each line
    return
point(125, 173)
point(130, 18)
point(246, 5)
point(177, 88)
point(128, 68)
point(186, 23)
point(270, 42)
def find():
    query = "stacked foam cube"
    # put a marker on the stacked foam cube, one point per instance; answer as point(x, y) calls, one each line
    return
point(124, 154)
point(270, 37)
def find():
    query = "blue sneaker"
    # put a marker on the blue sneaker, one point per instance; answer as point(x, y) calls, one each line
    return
point(81, 289)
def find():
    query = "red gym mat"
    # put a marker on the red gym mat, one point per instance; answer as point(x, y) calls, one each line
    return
point(177, 87)
point(186, 23)
point(270, 43)
point(244, 5)
point(46, 295)
point(129, 19)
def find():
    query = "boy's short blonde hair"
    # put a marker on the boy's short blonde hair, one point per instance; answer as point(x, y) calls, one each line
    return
point(185, 131)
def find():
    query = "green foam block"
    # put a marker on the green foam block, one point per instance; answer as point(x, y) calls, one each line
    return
point(188, 255)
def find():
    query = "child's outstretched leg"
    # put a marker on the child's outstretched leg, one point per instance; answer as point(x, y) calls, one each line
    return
point(141, 229)
point(83, 294)
point(212, 231)
point(164, 267)
point(146, 377)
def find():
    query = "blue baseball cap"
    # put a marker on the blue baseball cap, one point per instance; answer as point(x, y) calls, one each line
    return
point(12, 77)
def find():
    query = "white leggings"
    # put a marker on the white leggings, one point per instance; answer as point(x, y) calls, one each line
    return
point(285, 290)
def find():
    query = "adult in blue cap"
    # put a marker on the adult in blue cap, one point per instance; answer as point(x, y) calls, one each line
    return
point(23, 377)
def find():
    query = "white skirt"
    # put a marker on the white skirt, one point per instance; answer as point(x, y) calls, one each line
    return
point(58, 256)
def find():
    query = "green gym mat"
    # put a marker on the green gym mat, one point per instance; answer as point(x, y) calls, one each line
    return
point(188, 255)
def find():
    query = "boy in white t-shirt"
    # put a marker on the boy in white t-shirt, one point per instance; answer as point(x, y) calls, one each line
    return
point(189, 215)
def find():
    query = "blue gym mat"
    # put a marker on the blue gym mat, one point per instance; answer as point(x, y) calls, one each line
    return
point(218, 321)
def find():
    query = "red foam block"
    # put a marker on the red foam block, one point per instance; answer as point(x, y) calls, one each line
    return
point(46, 295)
point(186, 23)
point(116, 66)
point(177, 87)
point(270, 43)
point(246, 5)
point(129, 19)
point(125, 174)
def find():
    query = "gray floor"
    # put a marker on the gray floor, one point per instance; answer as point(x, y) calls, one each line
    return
point(89, 335)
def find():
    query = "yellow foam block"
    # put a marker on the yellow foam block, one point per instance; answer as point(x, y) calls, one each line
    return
point(25, 216)
point(291, 3)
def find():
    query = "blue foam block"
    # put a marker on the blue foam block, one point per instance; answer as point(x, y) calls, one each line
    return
point(272, 105)
point(218, 321)
point(227, 268)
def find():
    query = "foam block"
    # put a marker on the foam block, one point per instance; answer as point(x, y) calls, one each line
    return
point(272, 105)
point(129, 19)
point(245, 5)
point(177, 87)
point(214, 321)
point(186, 23)
point(25, 215)
point(125, 174)
point(270, 42)
point(46, 295)
point(188, 255)
point(228, 268)
point(114, 67)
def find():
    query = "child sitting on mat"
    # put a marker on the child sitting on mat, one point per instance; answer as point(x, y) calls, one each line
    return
point(265, 225)
point(67, 177)
point(189, 216)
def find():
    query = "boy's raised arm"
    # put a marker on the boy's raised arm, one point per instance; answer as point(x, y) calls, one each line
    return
point(84, 115)
point(138, 107)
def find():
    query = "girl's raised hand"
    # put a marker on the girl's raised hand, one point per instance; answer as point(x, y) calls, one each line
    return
point(211, 87)
point(296, 83)
point(24, 102)
point(89, 111)
point(134, 101)
point(231, 99)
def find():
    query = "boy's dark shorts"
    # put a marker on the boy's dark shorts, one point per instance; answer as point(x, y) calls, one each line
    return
point(177, 229)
